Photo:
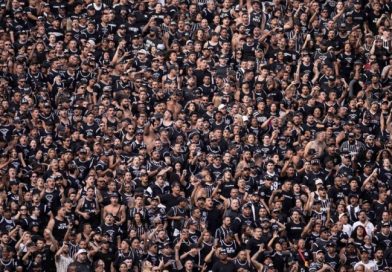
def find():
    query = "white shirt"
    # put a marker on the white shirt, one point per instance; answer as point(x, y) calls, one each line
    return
point(62, 263)
point(369, 227)
point(369, 266)
point(348, 229)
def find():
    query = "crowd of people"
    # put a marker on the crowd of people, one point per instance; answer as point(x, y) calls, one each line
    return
point(195, 135)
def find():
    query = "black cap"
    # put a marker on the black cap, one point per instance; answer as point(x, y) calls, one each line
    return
point(182, 199)
point(223, 251)
point(324, 229)
point(363, 250)
point(114, 195)
point(315, 161)
point(353, 195)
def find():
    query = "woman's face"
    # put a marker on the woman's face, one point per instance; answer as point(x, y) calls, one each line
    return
point(386, 163)
point(123, 267)
point(298, 203)
point(360, 231)
point(167, 115)
point(200, 35)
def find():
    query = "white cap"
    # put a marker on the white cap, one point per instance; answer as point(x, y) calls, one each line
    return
point(80, 251)
point(245, 118)
point(142, 51)
point(318, 181)
point(221, 106)
point(161, 46)
point(91, 42)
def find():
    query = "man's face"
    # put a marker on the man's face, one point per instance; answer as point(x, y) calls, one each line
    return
point(320, 257)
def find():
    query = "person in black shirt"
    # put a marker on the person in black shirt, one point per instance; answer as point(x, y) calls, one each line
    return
point(223, 265)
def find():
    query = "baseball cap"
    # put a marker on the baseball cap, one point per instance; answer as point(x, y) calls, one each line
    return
point(318, 181)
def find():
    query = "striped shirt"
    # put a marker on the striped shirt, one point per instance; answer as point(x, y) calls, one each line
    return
point(353, 149)
point(221, 233)
point(62, 263)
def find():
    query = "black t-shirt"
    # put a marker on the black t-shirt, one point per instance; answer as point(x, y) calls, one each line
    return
point(253, 245)
point(224, 267)
point(294, 230)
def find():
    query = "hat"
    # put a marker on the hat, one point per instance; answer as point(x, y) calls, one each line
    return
point(142, 51)
point(247, 206)
point(324, 229)
point(353, 195)
point(342, 26)
point(223, 251)
point(315, 161)
point(350, 122)
point(268, 177)
point(221, 106)
point(319, 251)
point(330, 244)
point(80, 251)
point(114, 195)
point(363, 250)
point(139, 131)
point(385, 225)
point(370, 137)
point(318, 181)
point(182, 199)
